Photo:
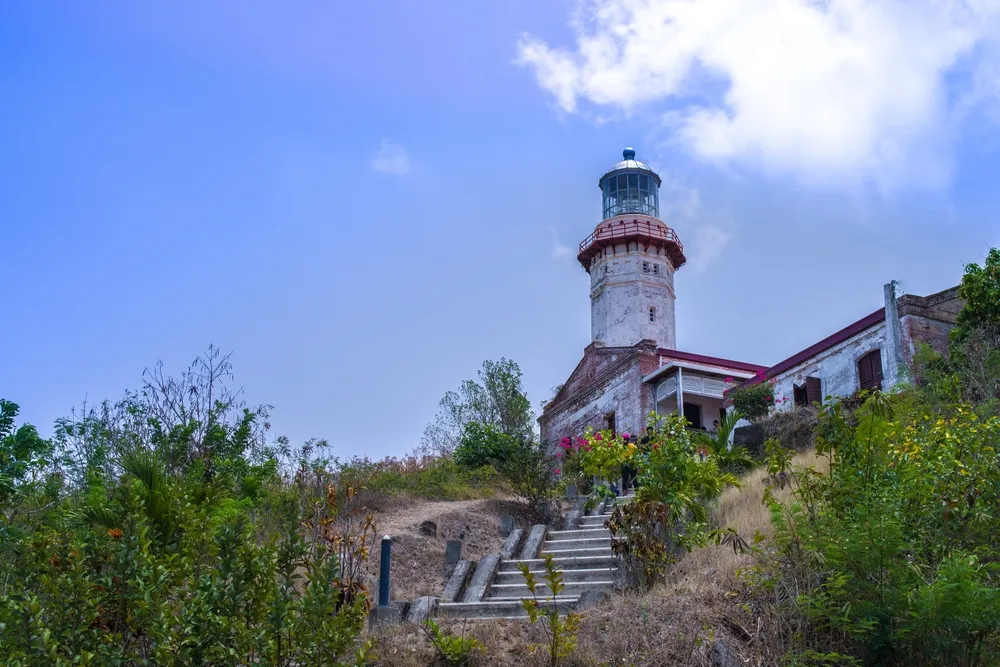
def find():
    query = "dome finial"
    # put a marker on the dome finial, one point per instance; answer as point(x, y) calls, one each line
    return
point(628, 153)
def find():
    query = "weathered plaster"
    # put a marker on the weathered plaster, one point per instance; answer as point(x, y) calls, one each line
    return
point(607, 380)
point(836, 367)
point(626, 280)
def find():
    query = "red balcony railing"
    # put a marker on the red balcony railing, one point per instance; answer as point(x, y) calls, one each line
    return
point(628, 230)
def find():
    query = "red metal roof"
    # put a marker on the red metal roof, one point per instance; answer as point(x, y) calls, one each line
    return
point(849, 331)
point(713, 361)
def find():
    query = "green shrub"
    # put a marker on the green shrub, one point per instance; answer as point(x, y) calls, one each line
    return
point(669, 512)
point(753, 401)
point(560, 630)
point(894, 551)
point(453, 649)
point(433, 477)
point(529, 473)
point(483, 445)
point(148, 574)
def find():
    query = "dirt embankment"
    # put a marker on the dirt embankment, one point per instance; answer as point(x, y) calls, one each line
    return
point(418, 555)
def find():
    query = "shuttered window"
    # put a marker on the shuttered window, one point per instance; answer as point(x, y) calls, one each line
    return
point(809, 394)
point(799, 396)
point(814, 391)
point(870, 370)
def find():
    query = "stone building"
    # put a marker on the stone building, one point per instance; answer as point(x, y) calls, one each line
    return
point(874, 352)
point(632, 367)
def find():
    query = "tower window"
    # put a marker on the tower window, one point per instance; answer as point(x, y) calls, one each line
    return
point(656, 269)
point(652, 314)
point(645, 267)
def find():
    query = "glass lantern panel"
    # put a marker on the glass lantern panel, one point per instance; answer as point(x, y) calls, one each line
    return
point(633, 180)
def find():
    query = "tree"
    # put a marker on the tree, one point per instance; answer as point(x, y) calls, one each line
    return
point(23, 453)
point(192, 418)
point(974, 349)
point(496, 400)
point(729, 459)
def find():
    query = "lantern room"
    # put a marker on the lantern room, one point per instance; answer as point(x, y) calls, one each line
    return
point(630, 187)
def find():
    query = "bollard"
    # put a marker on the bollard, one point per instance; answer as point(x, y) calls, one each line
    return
point(383, 576)
point(453, 552)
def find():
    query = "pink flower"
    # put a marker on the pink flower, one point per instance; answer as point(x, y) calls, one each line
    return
point(559, 455)
point(598, 437)
point(558, 471)
point(729, 379)
point(625, 435)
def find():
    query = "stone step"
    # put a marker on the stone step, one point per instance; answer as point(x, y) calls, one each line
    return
point(561, 563)
point(584, 543)
point(582, 533)
point(576, 553)
point(569, 576)
point(500, 608)
point(592, 522)
point(520, 591)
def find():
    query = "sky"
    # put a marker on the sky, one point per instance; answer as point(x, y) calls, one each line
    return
point(364, 201)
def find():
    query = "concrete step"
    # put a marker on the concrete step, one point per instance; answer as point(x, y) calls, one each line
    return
point(500, 608)
point(582, 533)
point(584, 543)
point(576, 553)
point(569, 576)
point(593, 522)
point(561, 563)
point(519, 591)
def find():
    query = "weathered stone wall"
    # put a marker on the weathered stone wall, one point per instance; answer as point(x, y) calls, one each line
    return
point(928, 320)
point(607, 380)
point(836, 367)
point(627, 280)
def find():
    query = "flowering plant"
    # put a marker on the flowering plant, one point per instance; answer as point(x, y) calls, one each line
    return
point(603, 453)
point(753, 401)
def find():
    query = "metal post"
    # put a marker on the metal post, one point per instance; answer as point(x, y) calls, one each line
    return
point(680, 392)
point(383, 576)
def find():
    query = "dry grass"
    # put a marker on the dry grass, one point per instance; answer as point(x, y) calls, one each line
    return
point(673, 624)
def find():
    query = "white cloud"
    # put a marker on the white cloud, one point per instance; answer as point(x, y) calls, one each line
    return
point(827, 90)
point(559, 251)
point(706, 246)
point(391, 158)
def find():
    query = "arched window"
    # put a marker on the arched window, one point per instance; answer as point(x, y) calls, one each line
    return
point(870, 370)
point(652, 314)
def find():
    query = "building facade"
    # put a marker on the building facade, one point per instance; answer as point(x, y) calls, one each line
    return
point(632, 367)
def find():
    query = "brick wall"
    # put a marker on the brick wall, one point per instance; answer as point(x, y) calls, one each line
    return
point(606, 380)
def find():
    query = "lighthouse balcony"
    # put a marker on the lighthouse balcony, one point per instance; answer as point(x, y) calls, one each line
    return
point(646, 231)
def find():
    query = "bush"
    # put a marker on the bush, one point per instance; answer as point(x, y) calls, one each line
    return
point(670, 507)
point(893, 553)
point(483, 445)
point(753, 401)
point(530, 476)
point(433, 477)
point(453, 649)
point(148, 576)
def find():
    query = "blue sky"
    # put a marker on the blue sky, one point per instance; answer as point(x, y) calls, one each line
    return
point(363, 201)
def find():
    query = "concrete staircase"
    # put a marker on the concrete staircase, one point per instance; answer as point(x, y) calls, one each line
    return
point(583, 555)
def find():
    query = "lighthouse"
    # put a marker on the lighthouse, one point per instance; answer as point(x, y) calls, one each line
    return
point(631, 257)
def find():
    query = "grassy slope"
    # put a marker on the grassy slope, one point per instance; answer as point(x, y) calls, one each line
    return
point(673, 624)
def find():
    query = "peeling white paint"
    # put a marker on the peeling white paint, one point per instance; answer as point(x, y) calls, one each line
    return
point(626, 281)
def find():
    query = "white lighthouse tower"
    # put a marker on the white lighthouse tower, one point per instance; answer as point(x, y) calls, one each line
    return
point(631, 258)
